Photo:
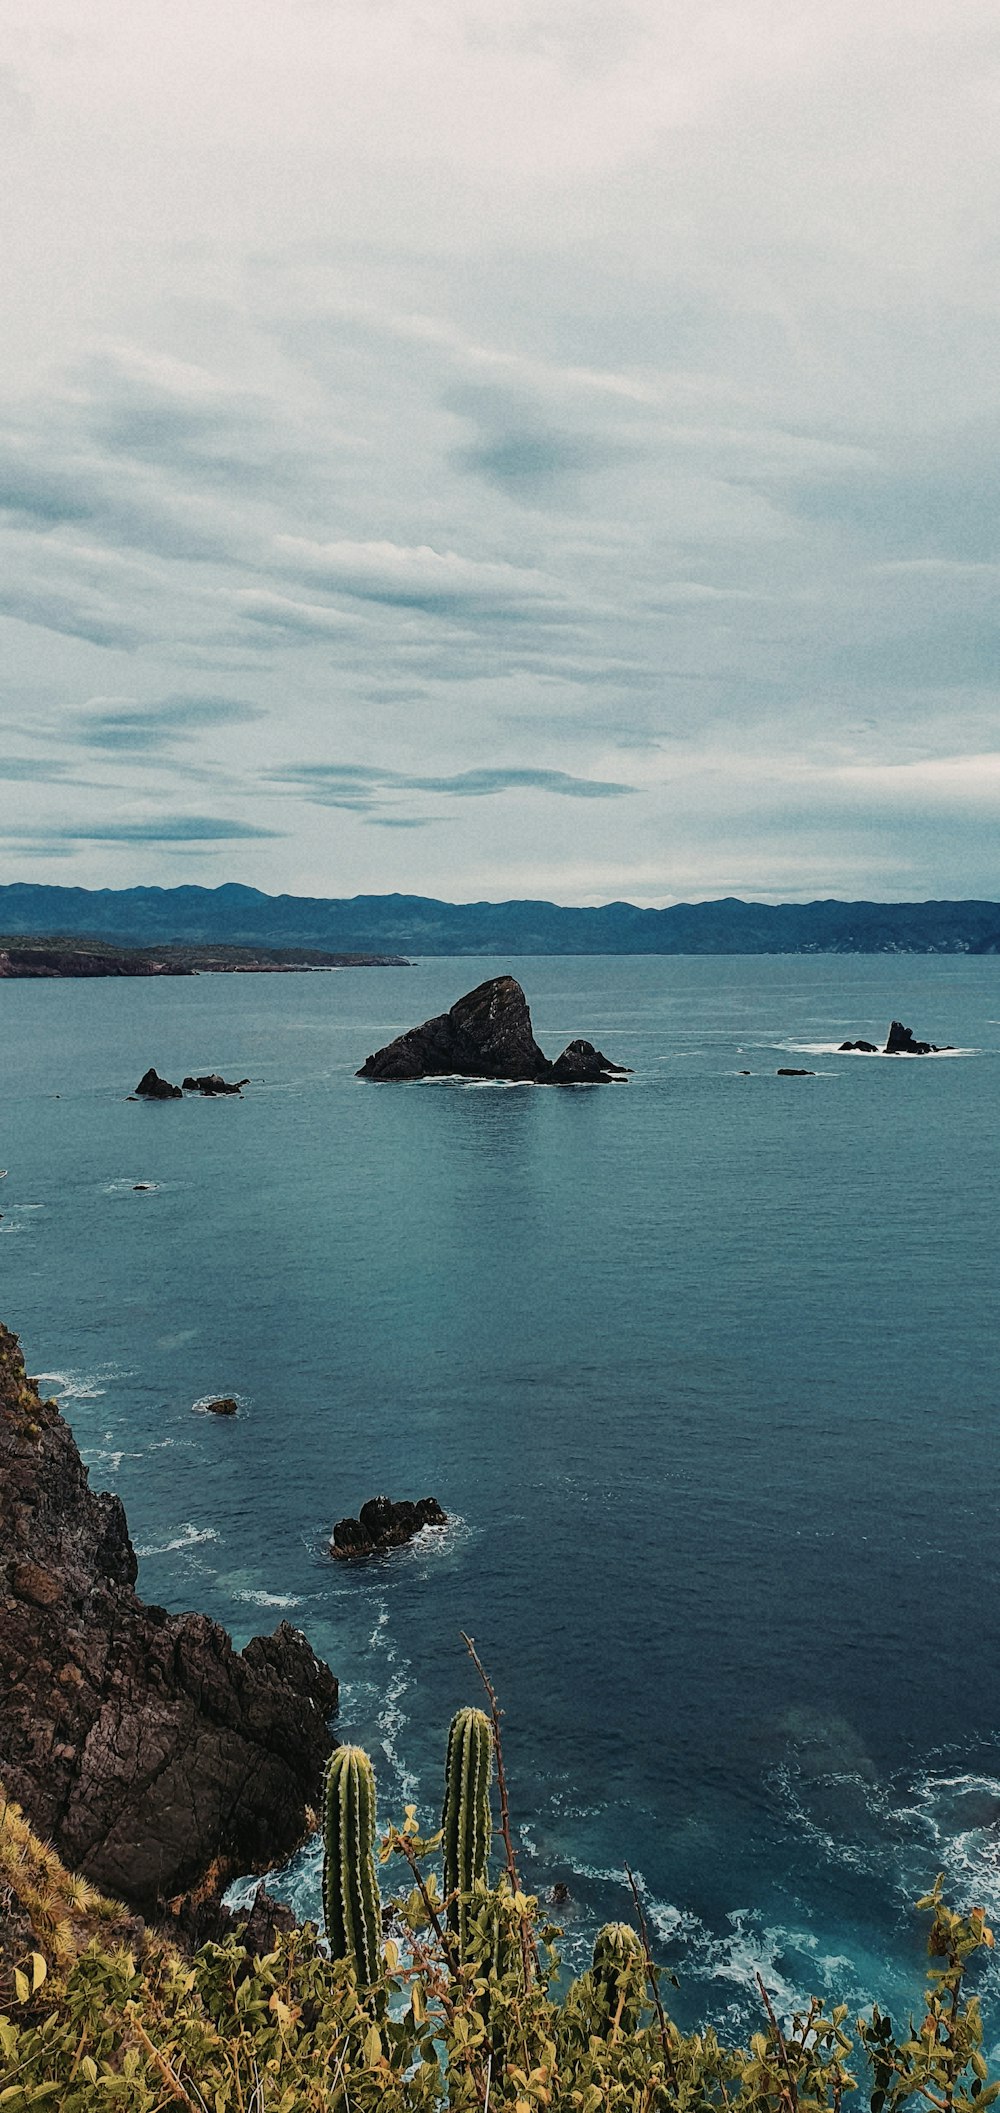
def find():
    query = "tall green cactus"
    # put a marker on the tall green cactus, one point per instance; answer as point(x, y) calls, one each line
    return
point(351, 1903)
point(465, 1821)
point(618, 1975)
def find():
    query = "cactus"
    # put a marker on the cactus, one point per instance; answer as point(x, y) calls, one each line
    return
point(465, 1821)
point(351, 1903)
point(618, 1972)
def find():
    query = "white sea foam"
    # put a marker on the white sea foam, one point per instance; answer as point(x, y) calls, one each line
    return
point(834, 1049)
point(71, 1386)
point(268, 1599)
point(188, 1537)
point(434, 1543)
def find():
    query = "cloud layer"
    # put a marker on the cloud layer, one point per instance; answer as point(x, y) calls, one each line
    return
point(538, 450)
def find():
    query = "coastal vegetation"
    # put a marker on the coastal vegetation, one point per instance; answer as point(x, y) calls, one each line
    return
point(448, 1994)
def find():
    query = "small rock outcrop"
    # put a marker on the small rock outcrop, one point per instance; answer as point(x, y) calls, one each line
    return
point(793, 1071)
point(156, 1758)
point(210, 1083)
point(223, 1405)
point(152, 1088)
point(583, 1065)
point(487, 1035)
point(382, 1525)
point(900, 1042)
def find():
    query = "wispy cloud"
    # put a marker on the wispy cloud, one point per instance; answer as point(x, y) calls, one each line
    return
point(31, 769)
point(632, 417)
point(118, 724)
point(154, 829)
point(439, 581)
point(360, 787)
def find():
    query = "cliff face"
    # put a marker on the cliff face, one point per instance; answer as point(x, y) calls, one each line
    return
point(155, 1757)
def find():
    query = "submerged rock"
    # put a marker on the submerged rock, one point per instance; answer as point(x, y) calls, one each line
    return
point(155, 1757)
point(152, 1088)
point(487, 1035)
point(382, 1525)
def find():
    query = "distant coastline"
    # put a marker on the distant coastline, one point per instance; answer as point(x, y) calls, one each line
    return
point(297, 932)
point(61, 957)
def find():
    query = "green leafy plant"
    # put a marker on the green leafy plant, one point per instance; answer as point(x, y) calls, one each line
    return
point(99, 2012)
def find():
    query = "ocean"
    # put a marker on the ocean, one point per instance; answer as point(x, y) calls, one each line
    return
point(702, 1367)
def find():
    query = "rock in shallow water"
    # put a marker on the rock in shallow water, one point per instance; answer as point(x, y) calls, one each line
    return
point(382, 1525)
point(900, 1042)
point(210, 1084)
point(151, 1753)
point(152, 1088)
point(487, 1035)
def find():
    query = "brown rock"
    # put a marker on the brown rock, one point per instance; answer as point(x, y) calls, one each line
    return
point(29, 1581)
point(152, 1754)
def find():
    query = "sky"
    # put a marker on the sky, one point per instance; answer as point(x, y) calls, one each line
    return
point(497, 448)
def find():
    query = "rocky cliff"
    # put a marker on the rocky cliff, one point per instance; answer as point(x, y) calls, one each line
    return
point(157, 1758)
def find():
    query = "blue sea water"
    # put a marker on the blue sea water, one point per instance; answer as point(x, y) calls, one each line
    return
point(702, 1366)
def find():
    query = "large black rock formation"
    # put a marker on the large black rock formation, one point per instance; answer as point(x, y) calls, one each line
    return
point(901, 1042)
point(487, 1035)
point(382, 1525)
point(152, 1088)
point(154, 1756)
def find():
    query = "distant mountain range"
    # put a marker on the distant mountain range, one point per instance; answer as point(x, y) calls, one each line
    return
point(416, 924)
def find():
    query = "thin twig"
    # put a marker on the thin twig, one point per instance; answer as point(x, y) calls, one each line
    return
point(171, 2080)
point(793, 2096)
point(447, 1943)
point(496, 1713)
point(668, 2060)
point(529, 1951)
point(444, 1937)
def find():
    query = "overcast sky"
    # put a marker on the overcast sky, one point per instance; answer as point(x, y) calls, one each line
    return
point(492, 448)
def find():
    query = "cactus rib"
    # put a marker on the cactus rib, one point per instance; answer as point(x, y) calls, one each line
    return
point(351, 1903)
point(465, 1821)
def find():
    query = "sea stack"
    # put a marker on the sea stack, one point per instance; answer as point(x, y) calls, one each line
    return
point(152, 1088)
point(487, 1035)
